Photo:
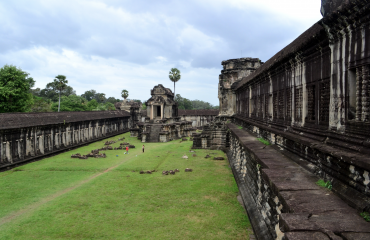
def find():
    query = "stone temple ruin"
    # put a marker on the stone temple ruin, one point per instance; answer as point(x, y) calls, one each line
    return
point(162, 123)
point(311, 101)
point(26, 137)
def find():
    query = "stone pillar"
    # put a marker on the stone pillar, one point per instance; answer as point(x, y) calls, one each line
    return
point(162, 112)
point(365, 94)
point(152, 113)
point(358, 93)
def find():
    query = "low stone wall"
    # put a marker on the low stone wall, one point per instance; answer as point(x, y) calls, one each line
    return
point(213, 136)
point(348, 171)
point(199, 118)
point(26, 136)
point(282, 199)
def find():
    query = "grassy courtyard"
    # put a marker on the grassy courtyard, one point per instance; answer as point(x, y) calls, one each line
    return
point(106, 198)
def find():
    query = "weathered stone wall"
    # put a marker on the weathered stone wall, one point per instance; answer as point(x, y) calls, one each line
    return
point(213, 136)
point(313, 99)
point(281, 197)
point(25, 136)
point(233, 71)
point(199, 118)
point(312, 102)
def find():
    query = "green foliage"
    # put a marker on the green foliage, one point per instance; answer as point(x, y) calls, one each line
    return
point(324, 184)
point(112, 100)
point(143, 106)
point(174, 76)
point(70, 104)
point(105, 107)
point(124, 94)
point(15, 88)
point(89, 95)
point(99, 97)
point(198, 104)
point(60, 82)
point(110, 106)
point(264, 141)
point(51, 92)
point(187, 104)
point(366, 216)
point(93, 104)
point(240, 127)
point(183, 103)
point(41, 105)
point(115, 203)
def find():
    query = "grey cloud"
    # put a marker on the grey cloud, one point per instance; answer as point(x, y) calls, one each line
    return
point(154, 32)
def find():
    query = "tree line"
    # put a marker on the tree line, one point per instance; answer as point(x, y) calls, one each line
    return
point(17, 94)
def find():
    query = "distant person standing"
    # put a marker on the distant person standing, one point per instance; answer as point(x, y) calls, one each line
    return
point(127, 149)
point(143, 148)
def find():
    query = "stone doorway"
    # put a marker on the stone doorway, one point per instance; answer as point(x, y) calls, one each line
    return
point(159, 111)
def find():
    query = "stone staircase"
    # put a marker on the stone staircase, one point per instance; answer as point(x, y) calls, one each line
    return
point(154, 132)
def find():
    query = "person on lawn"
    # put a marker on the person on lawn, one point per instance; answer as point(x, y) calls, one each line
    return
point(127, 150)
point(143, 148)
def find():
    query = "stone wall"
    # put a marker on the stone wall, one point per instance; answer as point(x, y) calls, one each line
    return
point(199, 118)
point(281, 197)
point(311, 100)
point(233, 71)
point(213, 136)
point(26, 136)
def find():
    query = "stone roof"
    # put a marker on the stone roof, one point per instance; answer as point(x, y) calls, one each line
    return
point(167, 90)
point(199, 112)
point(299, 43)
point(20, 120)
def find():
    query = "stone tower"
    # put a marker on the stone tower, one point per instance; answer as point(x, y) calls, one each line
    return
point(233, 71)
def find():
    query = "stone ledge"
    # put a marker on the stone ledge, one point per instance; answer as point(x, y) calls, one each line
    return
point(306, 206)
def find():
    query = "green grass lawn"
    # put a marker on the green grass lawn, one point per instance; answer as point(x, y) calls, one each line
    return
point(106, 198)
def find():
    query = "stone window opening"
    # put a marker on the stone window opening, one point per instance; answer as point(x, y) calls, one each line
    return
point(311, 103)
point(289, 103)
point(281, 104)
point(324, 101)
point(266, 96)
point(275, 105)
point(260, 106)
point(298, 103)
point(159, 111)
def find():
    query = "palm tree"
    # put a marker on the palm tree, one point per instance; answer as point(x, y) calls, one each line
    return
point(174, 77)
point(124, 94)
point(60, 82)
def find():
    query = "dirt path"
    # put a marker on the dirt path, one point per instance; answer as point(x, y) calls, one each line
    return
point(47, 199)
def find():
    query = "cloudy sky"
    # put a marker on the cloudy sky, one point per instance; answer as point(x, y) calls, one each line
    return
point(110, 45)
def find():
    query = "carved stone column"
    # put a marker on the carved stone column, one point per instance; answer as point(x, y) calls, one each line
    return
point(162, 112)
point(152, 113)
point(365, 94)
point(358, 93)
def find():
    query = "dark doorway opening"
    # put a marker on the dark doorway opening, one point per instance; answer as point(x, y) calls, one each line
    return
point(159, 111)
